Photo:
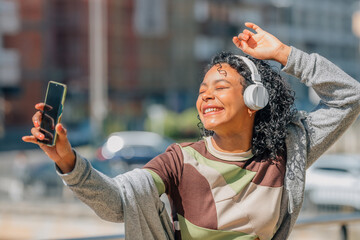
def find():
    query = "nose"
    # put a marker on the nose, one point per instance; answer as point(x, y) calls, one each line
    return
point(208, 95)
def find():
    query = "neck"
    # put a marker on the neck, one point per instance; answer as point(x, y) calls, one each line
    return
point(235, 143)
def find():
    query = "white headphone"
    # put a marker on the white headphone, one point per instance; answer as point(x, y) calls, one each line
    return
point(256, 96)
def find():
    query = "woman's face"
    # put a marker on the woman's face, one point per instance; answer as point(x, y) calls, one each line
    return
point(220, 102)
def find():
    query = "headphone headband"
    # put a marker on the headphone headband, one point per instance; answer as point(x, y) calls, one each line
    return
point(255, 76)
point(256, 96)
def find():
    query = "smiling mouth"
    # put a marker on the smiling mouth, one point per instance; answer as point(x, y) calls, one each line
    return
point(212, 110)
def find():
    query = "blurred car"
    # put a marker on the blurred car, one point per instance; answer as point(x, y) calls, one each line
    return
point(334, 180)
point(79, 134)
point(123, 151)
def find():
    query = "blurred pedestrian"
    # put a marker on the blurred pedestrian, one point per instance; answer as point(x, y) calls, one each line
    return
point(245, 179)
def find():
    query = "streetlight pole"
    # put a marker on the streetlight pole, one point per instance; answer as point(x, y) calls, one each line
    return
point(98, 65)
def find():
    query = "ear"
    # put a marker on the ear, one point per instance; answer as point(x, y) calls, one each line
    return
point(251, 112)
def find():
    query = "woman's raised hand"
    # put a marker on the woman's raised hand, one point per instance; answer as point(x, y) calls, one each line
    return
point(261, 45)
point(61, 153)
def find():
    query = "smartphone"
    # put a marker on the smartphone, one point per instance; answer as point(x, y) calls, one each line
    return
point(54, 103)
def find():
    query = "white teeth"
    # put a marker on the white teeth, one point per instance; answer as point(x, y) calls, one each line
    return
point(211, 110)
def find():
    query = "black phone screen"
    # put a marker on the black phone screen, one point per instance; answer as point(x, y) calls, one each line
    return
point(54, 101)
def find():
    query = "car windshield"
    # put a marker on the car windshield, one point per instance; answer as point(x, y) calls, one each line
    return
point(337, 163)
point(136, 146)
point(339, 170)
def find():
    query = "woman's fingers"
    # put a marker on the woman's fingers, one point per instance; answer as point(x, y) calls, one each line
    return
point(62, 135)
point(40, 106)
point(61, 131)
point(32, 139)
point(29, 139)
point(38, 115)
point(37, 134)
point(237, 41)
point(248, 33)
point(253, 26)
point(244, 36)
point(64, 150)
point(37, 119)
point(242, 45)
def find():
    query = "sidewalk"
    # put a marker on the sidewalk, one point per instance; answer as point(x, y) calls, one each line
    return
point(52, 221)
point(325, 232)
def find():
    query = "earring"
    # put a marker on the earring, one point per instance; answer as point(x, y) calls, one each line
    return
point(251, 112)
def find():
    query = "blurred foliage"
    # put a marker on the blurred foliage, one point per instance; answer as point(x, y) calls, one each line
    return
point(179, 126)
point(113, 123)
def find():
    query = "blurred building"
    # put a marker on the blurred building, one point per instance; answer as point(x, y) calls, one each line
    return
point(49, 42)
point(323, 27)
point(156, 51)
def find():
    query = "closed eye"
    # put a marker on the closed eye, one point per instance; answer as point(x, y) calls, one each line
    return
point(220, 88)
point(202, 90)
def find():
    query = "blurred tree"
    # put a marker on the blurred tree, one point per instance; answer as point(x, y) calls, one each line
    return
point(179, 126)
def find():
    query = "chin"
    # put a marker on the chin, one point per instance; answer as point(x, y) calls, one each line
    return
point(211, 126)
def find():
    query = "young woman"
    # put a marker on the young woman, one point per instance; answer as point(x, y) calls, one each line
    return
point(245, 179)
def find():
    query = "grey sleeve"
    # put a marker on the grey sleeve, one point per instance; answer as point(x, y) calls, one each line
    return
point(98, 191)
point(339, 105)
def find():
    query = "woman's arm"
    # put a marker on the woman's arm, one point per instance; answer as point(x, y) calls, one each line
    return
point(131, 198)
point(100, 192)
point(339, 93)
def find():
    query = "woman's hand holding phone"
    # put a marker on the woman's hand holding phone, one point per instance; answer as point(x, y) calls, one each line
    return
point(62, 153)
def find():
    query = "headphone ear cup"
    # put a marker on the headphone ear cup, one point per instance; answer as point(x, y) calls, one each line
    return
point(256, 96)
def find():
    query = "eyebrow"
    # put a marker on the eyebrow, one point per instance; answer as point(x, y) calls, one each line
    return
point(216, 81)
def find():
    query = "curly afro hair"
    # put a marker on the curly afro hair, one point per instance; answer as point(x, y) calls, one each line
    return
point(270, 122)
